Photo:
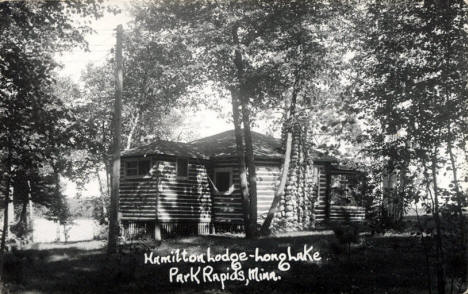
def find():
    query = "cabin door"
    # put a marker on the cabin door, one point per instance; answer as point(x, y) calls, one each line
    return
point(223, 180)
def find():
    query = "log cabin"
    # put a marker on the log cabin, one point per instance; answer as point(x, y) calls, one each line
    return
point(169, 188)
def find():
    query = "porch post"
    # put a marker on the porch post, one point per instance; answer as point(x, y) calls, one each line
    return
point(157, 231)
point(157, 223)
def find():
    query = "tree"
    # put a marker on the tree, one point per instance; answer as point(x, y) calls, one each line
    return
point(310, 95)
point(260, 53)
point(211, 30)
point(232, 43)
point(411, 80)
point(35, 125)
point(157, 78)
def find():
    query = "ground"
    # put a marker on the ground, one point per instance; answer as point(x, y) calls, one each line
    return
point(377, 264)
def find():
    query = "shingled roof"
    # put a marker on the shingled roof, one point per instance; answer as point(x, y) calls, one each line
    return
point(222, 145)
point(162, 147)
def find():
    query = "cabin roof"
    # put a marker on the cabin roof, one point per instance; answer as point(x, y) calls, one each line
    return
point(222, 145)
point(162, 147)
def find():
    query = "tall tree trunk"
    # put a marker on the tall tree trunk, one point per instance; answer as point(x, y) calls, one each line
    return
point(455, 175)
point(5, 215)
point(289, 125)
point(108, 167)
point(249, 155)
point(389, 192)
point(23, 215)
point(31, 212)
point(280, 191)
point(5, 220)
point(250, 161)
point(439, 252)
point(459, 194)
point(106, 161)
point(104, 194)
point(242, 167)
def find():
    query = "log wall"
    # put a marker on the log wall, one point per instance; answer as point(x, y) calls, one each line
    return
point(335, 213)
point(227, 209)
point(183, 199)
point(163, 196)
point(187, 205)
point(138, 196)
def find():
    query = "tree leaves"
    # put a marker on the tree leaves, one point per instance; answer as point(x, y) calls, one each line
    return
point(36, 129)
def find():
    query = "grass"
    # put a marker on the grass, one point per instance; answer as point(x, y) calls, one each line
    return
point(385, 264)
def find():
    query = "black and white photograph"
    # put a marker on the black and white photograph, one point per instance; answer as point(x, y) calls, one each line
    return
point(234, 146)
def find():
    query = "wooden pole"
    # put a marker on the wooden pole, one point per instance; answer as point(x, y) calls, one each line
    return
point(115, 182)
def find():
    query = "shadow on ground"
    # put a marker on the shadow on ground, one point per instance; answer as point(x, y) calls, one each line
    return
point(376, 265)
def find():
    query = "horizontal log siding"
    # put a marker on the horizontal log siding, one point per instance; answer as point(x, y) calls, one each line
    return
point(180, 200)
point(337, 213)
point(138, 198)
point(228, 208)
point(187, 204)
point(267, 182)
point(183, 199)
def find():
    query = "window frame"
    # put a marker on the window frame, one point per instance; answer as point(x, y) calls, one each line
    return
point(177, 168)
point(138, 175)
point(223, 170)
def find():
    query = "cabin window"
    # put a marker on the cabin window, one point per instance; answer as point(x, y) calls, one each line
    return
point(182, 167)
point(135, 168)
point(223, 181)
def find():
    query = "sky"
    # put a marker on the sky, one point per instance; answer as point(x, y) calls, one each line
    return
point(100, 43)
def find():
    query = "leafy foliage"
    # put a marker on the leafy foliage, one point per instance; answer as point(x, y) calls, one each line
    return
point(37, 129)
point(411, 72)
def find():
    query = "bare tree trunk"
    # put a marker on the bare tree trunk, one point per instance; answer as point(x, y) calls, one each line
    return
point(108, 176)
point(439, 252)
point(455, 176)
point(103, 195)
point(250, 161)
point(280, 191)
point(132, 130)
point(31, 212)
point(5, 222)
point(249, 155)
point(242, 168)
point(287, 159)
point(5, 216)
point(459, 195)
point(107, 163)
point(23, 215)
